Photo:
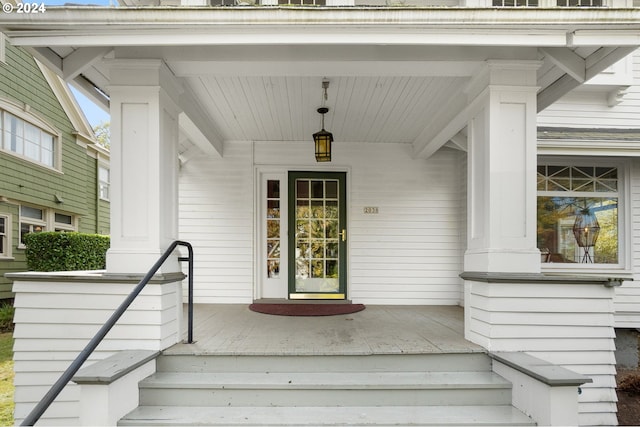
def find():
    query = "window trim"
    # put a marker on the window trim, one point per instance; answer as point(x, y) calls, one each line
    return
point(624, 215)
point(106, 183)
point(23, 113)
point(48, 221)
point(8, 225)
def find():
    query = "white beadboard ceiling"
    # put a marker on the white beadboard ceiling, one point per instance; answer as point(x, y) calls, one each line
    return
point(284, 108)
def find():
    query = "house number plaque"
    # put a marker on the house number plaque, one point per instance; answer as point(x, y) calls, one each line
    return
point(371, 209)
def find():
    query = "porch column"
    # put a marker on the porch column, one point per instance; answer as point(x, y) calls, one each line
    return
point(144, 165)
point(502, 169)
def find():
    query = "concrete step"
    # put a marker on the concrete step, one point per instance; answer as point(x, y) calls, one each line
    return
point(325, 389)
point(436, 362)
point(494, 415)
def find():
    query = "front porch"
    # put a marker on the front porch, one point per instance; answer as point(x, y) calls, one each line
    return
point(233, 329)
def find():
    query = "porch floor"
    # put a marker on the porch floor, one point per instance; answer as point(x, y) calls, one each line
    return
point(233, 329)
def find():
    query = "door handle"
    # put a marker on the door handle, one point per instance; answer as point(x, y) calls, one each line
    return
point(343, 233)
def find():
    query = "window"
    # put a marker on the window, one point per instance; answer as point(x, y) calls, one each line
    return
point(32, 220)
point(273, 229)
point(104, 179)
point(27, 140)
point(36, 220)
point(515, 3)
point(5, 244)
point(579, 3)
point(63, 222)
point(578, 214)
point(303, 2)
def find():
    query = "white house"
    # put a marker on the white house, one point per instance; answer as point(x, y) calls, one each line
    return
point(470, 139)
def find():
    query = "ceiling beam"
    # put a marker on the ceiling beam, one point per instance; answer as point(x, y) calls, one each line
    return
point(451, 119)
point(81, 59)
point(594, 64)
point(318, 68)
point(48, 57)
point(89, 90)
point(459, 141)
point(568, 61)
point(197, 126)
point(605, 57)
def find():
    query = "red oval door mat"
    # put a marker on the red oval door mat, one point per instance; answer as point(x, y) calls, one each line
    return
point(306, 309)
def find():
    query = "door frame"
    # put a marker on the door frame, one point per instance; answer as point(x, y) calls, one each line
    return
point(341, 176)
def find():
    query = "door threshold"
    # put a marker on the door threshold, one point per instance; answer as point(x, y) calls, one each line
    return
point(300, 301)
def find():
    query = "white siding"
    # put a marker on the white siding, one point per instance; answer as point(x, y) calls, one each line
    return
point(588, 108)
point(567, 324)
point(408, 253)
point(216, 217)
point(627, 300)
point(55, 321)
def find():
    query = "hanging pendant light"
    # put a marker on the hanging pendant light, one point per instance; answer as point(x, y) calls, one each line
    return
point(323, 140)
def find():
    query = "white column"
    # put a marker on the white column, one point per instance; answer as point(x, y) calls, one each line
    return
point(502, 169)
point(144, 165)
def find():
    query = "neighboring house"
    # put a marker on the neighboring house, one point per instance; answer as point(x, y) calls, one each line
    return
point(474, 148)
point(53, 175)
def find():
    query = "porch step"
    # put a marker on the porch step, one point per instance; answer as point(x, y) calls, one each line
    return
point(437, 389)
point(503, 415)
point(325, 389)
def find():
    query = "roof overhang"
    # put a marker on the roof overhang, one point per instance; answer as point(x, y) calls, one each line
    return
point(201, 43)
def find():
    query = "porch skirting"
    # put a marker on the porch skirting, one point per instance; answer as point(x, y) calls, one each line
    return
point(568, 321)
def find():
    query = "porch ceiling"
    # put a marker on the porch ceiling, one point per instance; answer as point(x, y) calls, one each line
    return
point(396, 75)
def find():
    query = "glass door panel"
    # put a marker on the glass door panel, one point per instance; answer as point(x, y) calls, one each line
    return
point(318, 241)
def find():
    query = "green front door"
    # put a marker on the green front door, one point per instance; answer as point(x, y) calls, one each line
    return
point(318, 235)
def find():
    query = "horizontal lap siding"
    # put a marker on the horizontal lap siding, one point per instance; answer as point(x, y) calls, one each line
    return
point(408, 253)
point(569, 325)
point(586, 108)
point(627, 300)
point(55, 321)
point(216, 217)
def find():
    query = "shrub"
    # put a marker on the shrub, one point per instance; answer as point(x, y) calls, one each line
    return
point(630, 383)
point(6, 317)
point(52, 251)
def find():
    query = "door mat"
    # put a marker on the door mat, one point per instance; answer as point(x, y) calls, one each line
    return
point(306, 309)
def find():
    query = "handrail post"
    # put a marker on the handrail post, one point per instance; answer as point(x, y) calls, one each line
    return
point(77, 363)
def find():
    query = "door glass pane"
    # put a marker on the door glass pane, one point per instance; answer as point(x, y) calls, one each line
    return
point(273, 229)
point(316, 239)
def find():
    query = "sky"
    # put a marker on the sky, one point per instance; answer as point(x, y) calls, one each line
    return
point(94, 114)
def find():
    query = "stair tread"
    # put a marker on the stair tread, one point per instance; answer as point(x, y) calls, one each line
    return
point(293, 380)
point(494, 415)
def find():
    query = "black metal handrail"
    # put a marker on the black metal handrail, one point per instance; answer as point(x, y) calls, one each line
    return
point(59, 385)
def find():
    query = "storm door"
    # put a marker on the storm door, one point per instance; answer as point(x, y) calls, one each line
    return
point(317, 235)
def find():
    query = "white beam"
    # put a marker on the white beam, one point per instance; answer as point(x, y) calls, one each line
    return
point(459, 141)
point(323, 68)
point(605, 57)
point(568, 61)
point(48, 58)
point(597, 62)
point(89, 90)
point(81, 59)
point(194, 135)
point(197, 125)
point(452, 118)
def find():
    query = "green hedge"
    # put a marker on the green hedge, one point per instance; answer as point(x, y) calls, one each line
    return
point(52, 251)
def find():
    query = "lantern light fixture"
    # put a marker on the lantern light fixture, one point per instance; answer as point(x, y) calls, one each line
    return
point(322, 138)
point(586, 231)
